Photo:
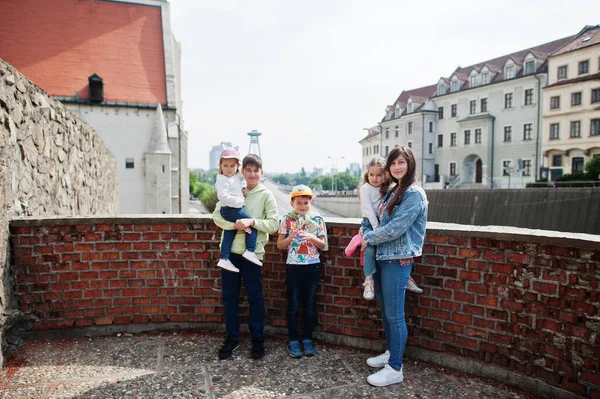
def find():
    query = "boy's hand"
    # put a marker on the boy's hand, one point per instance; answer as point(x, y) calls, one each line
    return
point(243, 224)
point(306, 236)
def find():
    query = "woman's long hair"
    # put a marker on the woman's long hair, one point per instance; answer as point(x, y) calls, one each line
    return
point(380, 163)
point(409, 178)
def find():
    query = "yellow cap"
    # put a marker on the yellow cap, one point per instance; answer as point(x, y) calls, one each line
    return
point(301, 190)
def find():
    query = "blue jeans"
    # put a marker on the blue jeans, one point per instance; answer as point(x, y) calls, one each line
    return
point(390, 288)
point(369, 260)
point(302, 282)
point(369, 252)
point(231, 215)
point(251, 274)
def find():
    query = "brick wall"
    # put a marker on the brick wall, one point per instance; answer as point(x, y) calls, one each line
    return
point(522, 300)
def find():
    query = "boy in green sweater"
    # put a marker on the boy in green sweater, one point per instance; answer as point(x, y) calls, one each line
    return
point(261, 204)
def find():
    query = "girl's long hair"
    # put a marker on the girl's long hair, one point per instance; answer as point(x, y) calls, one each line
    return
point(379, 162)
point(409, 178)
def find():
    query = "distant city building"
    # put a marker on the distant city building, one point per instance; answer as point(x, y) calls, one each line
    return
point(116, 65)
point(571, 132)
point(215, 153)
point(318, 172)
point(355, 169)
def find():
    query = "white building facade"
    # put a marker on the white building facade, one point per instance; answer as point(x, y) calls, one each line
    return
point(571, 132)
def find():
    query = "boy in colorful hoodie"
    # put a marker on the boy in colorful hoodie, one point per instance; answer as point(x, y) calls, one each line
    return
point(302, 232)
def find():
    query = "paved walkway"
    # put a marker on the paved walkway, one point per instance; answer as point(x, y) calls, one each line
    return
point(185, 365)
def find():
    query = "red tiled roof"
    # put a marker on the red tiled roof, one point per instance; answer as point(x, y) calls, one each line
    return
point(589, 36)
point(421, 92)
point(59, 45)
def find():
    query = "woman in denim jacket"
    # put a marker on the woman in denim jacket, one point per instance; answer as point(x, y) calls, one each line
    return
point(399, 238)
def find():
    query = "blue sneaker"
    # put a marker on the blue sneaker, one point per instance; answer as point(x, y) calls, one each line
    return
point(294, 349)
point(309, 349)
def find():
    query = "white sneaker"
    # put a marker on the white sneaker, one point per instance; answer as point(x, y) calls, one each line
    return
point(251, 256)
point(379, 360)
point(369, 291)
point(227, 265)
point(386, 376)
point(413, 287)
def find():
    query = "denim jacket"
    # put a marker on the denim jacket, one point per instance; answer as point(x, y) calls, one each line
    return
point(401, 234)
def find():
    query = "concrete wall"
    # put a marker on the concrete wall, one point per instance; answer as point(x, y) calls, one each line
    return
point(509, 304)
point(557, 209)
point(51, 163)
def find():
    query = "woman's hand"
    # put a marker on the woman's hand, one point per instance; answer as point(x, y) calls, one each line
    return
point(243, 224)
point(364, 245)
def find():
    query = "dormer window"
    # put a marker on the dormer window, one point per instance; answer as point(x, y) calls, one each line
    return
point(411, 107)
point(397, 111)
point(530, 67)
point(474, 81)
point(96, 89)
point(485, 78)
point(455, 86)
point(441, 88)
point(509, 72)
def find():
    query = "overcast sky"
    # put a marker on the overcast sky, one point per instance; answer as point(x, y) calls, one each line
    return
point(310, 75)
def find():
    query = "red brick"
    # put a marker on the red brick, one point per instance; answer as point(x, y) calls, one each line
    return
point(453, 328)
point(103, 321)
point(522, 259)
point(511, 305)
point(469, 276)
point(490, 301)
point(84, 322)
point(477, 288)
point(545, 288)
point(435, 238)
point(473, 310)
point(481, 242)
point(503, 268)
point(457, 262)
point(495, 256)
point(467, 342)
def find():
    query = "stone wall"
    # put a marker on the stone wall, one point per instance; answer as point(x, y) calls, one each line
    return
point(51, 163)
point(515, 305)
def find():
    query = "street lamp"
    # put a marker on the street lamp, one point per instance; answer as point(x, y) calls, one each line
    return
point(336, 159)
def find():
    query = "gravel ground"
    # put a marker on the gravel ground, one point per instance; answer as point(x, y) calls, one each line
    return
point(185, 365)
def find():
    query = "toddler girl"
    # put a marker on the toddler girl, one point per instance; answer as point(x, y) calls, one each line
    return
point(231, 196)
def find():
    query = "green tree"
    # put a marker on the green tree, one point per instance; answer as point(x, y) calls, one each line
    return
point(592, 168)
point(193, 182)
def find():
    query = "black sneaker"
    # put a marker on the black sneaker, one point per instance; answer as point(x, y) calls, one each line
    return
point(258, 348)
point(228, 347)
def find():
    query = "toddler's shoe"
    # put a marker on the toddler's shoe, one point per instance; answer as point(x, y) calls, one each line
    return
point(251, 256)
point(309, 349)
point(227, 265)
point(355, 242)
point(369, 291)
point(294, 349)
point(413, 287)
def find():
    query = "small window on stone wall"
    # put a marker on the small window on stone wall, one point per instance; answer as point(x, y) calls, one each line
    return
point(129, 163)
